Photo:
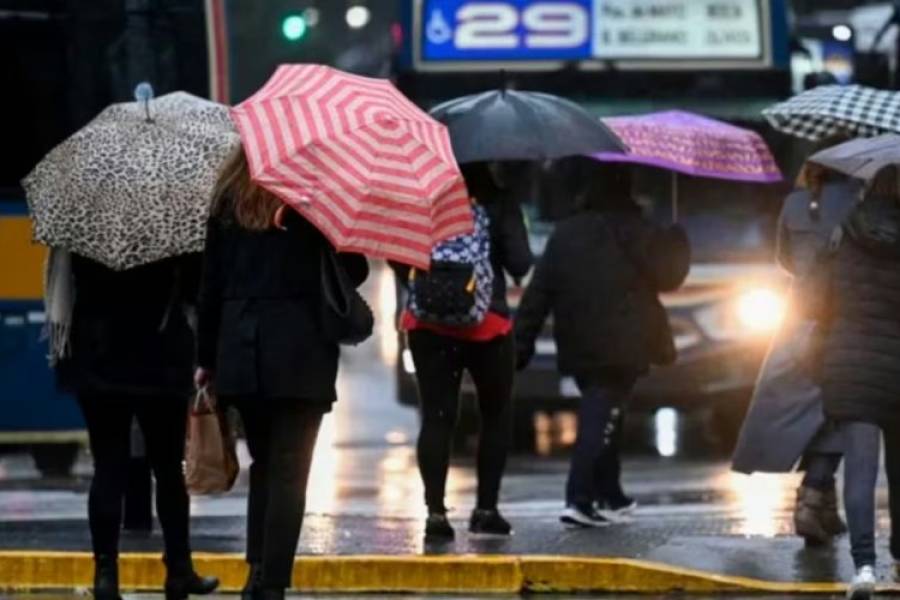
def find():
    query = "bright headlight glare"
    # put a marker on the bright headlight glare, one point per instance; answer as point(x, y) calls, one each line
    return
point(761, 310)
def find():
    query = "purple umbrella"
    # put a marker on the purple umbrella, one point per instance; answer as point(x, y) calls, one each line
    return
point(686, 143)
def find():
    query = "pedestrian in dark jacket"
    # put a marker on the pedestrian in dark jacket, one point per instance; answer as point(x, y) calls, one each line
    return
point(600, 276)
point(261, 346)
point(786, 422)
point(131, 357)
point(861, 362)
point(487, 352)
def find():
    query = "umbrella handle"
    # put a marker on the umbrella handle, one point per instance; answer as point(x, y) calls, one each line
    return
point(143, 93)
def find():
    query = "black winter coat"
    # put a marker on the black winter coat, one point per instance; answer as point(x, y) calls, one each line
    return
point(258, 327)
point(130, 333)
point(599, 276)
point(861, 360)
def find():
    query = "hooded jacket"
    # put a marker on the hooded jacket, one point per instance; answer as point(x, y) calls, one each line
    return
point(861, 359)
point(599, 277)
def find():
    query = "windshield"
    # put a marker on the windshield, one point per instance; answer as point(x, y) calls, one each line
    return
point(726, 221)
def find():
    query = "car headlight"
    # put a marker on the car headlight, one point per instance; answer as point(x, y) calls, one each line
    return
point(753, 312)
point(761, 310)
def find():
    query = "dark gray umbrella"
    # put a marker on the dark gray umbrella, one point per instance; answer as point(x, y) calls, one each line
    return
point(513, 125)
point(861, 158)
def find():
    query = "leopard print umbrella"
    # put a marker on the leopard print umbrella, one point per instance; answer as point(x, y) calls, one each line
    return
point(125, 190)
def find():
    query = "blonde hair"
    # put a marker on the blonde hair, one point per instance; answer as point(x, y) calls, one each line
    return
point(236, 196)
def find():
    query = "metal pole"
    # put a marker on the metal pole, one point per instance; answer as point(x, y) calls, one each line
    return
point(674, 197)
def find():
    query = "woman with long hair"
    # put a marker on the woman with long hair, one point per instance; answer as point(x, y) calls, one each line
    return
point(261, 346)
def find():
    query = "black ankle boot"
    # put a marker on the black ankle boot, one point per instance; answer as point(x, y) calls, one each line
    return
point(270, 594)
point(254, 582)
point(106, 578)
point(182, 581)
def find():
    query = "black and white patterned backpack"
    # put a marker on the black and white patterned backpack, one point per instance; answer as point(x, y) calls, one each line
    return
point(457, 290)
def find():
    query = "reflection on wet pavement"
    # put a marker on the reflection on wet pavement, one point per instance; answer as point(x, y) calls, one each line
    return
point(365, 493)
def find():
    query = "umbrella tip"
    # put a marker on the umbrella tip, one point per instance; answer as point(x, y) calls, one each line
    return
point(143, 92)
point(504, 81)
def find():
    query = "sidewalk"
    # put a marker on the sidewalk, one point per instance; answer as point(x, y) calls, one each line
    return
point(700, 529)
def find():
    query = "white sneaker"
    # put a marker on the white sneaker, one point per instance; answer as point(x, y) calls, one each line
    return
point(863, 584)
point(572, 515)
point(618, 514)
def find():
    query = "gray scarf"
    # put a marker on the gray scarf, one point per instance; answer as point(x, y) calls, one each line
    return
point(59, 299)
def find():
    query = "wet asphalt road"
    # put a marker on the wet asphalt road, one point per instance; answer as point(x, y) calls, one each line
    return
point(365, 494)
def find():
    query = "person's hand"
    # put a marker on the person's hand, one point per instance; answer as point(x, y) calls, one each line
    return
point(202, 377)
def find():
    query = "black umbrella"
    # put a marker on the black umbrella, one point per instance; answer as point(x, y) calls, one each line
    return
point(513, 125)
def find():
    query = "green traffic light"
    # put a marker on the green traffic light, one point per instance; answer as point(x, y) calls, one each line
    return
point(293, 27)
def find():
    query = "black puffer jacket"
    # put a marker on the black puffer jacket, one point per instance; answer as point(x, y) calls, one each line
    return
point(599, 276)
point(861, 362)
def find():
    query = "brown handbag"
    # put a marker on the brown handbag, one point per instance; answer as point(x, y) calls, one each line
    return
point(211, 463)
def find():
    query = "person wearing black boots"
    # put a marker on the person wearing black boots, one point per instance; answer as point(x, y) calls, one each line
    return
point(261, 345)
point(129, 355)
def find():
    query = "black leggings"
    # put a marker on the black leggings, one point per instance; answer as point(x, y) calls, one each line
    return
point(440, 361)
point(281, 437)
point(163, 422)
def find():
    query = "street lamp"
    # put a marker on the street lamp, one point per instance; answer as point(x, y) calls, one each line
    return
point(358, 16)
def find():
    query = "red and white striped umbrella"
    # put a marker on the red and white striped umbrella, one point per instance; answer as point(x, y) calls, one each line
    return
point(355, 157)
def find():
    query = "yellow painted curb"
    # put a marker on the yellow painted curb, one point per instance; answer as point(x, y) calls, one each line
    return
point(422, 574)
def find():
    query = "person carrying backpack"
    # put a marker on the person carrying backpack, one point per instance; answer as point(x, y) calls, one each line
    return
point(600, 276)
point(457, 319)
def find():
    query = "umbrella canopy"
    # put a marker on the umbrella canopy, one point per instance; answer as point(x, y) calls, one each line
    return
point(835, 109)
point(356, 158)
point(513, 125)
point(693, 145)
point(861, 158)
point(125, 190)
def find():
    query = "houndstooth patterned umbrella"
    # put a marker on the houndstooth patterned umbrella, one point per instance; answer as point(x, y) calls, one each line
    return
point(832, 109)
point(133, 186)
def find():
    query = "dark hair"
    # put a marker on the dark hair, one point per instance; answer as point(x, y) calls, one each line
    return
point(479, 181)
point(814, 176)
point(604, 186)
point(885, 185)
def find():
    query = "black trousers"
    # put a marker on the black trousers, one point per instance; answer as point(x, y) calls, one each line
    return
point(163, 422)
point(281, 437)
point(603, 400)
point(440, 361)
point(608, 469)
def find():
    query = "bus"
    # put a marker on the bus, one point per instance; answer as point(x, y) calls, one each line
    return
point(64, 61)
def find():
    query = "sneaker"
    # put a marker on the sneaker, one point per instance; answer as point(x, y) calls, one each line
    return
point(863, 584)
point(438, 528)
point(618, 509)
point(489, 522)
point(583, 516)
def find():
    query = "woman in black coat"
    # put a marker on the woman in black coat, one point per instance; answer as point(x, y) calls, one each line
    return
point(261, 346)
point(861, 362)
point(132, 356)
point(600, 276)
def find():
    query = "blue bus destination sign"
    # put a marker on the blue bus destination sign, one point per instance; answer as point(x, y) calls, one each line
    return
point(473, 34)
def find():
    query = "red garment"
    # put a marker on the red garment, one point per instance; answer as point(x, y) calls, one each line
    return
point(493, 326)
